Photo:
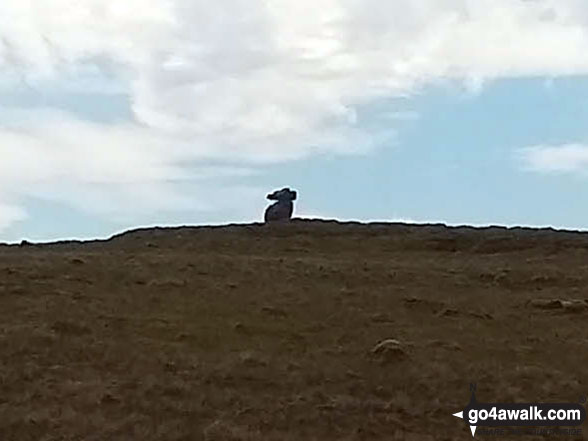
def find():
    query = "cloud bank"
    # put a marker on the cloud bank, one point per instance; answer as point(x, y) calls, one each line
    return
point(567, 158)
point(241, 83)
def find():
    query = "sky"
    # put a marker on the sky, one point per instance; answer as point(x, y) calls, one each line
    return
point(116, 115)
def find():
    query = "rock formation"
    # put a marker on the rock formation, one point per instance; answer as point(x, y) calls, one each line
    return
point(281, 210)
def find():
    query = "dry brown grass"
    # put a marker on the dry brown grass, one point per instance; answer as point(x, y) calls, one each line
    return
point(256, 332)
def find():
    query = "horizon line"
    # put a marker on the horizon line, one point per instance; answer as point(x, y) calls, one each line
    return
point(367, 222)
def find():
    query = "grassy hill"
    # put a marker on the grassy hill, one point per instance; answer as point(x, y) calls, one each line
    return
point(248, 332)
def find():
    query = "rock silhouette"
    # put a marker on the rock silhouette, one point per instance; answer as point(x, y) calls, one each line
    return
point(282, 209)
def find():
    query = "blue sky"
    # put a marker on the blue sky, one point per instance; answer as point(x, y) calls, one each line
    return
point(185, 113)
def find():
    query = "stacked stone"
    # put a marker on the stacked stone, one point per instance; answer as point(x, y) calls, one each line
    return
point(282, 209)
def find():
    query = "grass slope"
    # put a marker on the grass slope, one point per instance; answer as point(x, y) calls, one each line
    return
point(249, 332)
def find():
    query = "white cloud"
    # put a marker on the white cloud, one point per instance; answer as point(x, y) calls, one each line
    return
point(245, 81)
point(10, 214)
point(120, 171)
point(567, 158)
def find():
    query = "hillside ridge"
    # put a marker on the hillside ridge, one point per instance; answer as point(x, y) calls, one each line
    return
point(331, 227)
